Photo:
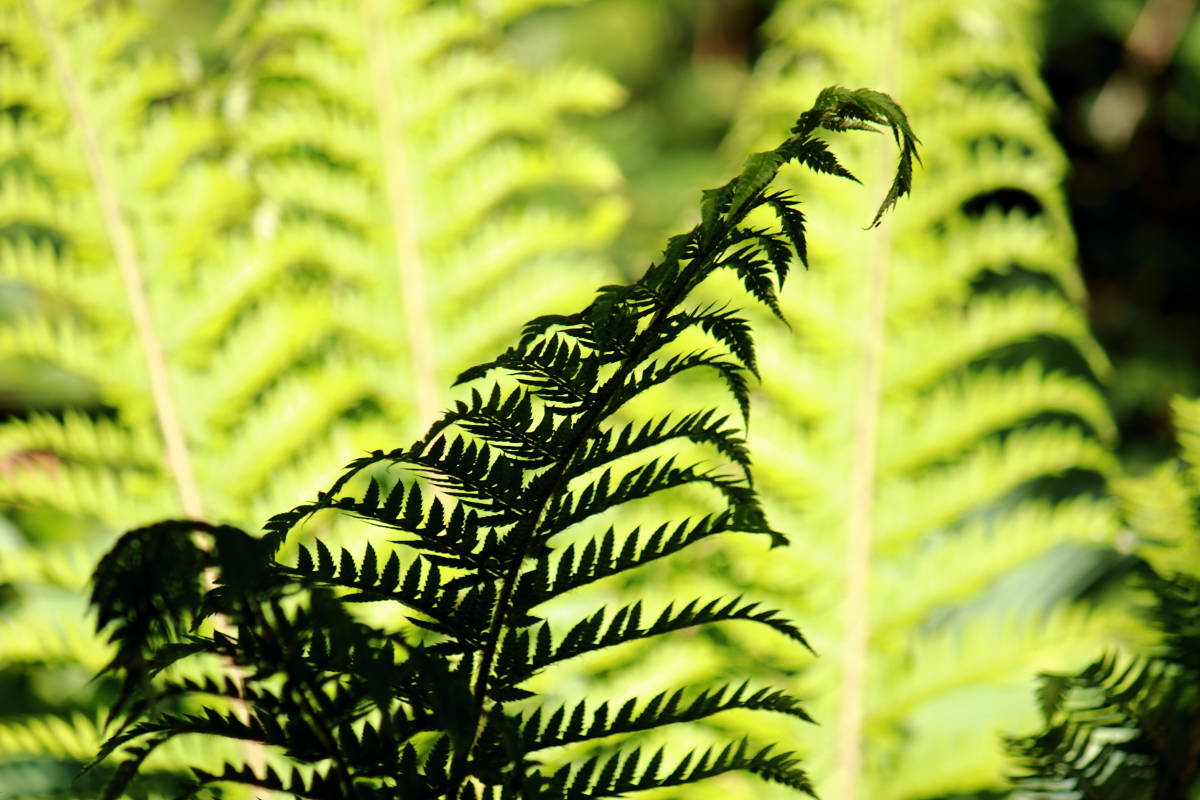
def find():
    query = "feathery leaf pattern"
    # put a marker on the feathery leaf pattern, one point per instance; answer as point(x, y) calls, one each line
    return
point(481, 506)
point(1128, 726)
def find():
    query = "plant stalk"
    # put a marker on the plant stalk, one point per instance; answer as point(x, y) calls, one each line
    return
point(848, 752)
point(126, 255)
point(409, 262)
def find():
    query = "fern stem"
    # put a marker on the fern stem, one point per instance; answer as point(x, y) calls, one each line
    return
point(859, 532)
point(410, 265)
point(303, 692)
point(848, 753)
point(604, 398)
point(126, 255)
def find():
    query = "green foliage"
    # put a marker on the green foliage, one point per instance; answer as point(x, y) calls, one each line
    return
point(931, 427)
point(1124, 730)
point(101, 152)
point(486, 503)
point(1129, 728)
point(236, 251)
point(419, 197)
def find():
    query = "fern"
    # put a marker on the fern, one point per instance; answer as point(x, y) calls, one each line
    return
point(214, 254)
point(1130, 727)
point(421, 179)
point(483, 504)
point(1123, 729)
point(932, 427)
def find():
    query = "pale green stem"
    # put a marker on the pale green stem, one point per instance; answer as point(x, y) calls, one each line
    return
point(849, 746)
point(126, 255)
point(125, 252)
point(413, 300)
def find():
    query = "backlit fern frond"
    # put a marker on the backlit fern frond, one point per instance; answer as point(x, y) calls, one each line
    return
point(1161, 507)
point(501, 511)
point(933, 422)
point(109, 193)
point(102, 160)
point(219, 255)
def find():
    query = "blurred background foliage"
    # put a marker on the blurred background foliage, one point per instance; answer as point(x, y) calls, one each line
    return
point(1125, 111)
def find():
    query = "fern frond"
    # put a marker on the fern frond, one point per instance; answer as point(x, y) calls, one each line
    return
point(484, 501)
point(66, 567)
point(991, 469)
point(580, 725)
point(1161, 511)
point(1187, 425)
point(988, 324)
point(75, 739)
point(961, 564)
point(940, 426)
point(28, 639)
point(534, 654)
point(1129, 727)
point(1123, 728)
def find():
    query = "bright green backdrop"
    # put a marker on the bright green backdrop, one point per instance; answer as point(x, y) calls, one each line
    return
point(240, 244)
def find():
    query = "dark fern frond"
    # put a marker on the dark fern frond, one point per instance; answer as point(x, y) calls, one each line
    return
point(625, 440)
point(1124, 731)
point(319, 787)
point(480, 503)
point(582, 782)
point(546, 582)
point(791, 220)
point(815, 155)
point(841, 109)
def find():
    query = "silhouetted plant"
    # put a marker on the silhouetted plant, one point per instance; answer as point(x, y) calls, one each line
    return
point(1129, 728)
point(1124, 730)
point(441, 712)
point(212, 240)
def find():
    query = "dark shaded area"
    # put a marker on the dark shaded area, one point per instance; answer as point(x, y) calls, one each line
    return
point(1005, 200)
point(1137, 217)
